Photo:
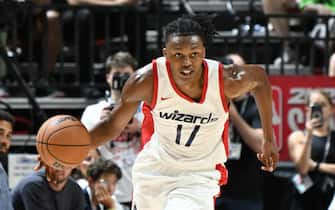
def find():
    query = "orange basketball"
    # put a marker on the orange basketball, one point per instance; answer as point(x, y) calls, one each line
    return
point(62, 141)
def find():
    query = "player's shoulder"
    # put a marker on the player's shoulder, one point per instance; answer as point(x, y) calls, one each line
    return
point(141, 76)
point(139, 85)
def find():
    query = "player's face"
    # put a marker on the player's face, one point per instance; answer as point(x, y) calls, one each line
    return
point(185, 55)
point(6, 130)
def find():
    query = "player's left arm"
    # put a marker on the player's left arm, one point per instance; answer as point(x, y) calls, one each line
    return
point(239, 80)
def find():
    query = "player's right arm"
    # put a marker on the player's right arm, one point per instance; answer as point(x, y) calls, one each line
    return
point(139, 87)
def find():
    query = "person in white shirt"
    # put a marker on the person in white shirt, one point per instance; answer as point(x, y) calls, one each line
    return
point(123, 149)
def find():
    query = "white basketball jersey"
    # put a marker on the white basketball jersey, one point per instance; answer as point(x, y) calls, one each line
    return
point(185, 132)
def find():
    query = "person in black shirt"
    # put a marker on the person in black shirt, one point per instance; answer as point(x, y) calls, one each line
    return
point(244, 188)
point(6, 131)
point(313, 152)
point(48, 189)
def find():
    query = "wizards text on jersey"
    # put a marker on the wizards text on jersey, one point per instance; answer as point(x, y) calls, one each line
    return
point(188, 118)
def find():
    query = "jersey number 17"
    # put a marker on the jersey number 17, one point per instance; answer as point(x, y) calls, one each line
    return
point(190, 138)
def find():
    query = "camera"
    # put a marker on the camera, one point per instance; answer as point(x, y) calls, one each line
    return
point(119, 80)
point(316, 113)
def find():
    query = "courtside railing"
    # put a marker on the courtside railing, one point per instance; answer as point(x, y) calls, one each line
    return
point(66, 46)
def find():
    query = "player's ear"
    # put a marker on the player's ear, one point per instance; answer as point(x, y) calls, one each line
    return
point(164, 52)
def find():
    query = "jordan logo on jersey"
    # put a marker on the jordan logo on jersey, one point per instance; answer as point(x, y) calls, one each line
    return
point(188, 118)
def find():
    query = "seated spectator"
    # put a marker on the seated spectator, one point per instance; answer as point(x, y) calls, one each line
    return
point(5, 202)
point(6, 131)
point(102, 176)
point(85, 21)
point(46, 37)
point(312, 152)
point(80, 172)
point(48, 189)
point(281, 25)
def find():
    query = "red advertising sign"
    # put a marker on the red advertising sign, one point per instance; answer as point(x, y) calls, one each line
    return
point(289, 95)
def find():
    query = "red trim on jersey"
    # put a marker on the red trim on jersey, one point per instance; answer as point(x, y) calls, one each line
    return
point(186, 97)
point(224, 174)
point(155, 87)
point(214, 201)
point(221, 86)
point(147, 125)
point(225, 137)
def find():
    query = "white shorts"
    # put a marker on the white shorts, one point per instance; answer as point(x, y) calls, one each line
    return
point(160, 186)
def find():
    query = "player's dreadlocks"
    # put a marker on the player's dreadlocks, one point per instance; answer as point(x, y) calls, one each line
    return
point(200, 25)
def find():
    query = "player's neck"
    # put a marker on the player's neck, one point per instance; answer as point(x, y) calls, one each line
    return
point(192, 88)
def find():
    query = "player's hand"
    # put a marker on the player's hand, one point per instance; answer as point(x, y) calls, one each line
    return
point(269, 156)
point(39, 164)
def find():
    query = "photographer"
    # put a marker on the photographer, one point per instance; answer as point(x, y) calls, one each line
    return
point(313, 153)
point(124, 149)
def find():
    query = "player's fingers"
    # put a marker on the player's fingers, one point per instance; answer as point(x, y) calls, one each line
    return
point(38, 166)
point(269, 169)
point(268, 163)
point(272, 162)
point(260, 156)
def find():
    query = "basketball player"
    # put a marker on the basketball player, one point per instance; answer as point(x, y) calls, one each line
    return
point(186, 99)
